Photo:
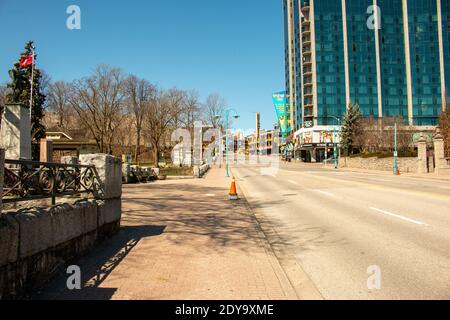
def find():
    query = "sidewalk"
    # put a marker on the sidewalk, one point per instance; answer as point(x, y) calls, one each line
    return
point(431, 176)
point(330, 167)
point(181, 239)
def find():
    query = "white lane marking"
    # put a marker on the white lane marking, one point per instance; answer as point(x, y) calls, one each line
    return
point(379, 179)
point(210, 195)
point(398, 216)
point(293, 182)
point(324, 192)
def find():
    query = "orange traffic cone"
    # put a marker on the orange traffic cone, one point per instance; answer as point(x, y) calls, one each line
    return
point(398, 172)
point(233, 192)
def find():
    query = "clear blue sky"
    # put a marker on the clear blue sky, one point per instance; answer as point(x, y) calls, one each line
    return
point(232, 47)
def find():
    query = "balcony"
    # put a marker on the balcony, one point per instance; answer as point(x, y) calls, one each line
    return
point(307, 80)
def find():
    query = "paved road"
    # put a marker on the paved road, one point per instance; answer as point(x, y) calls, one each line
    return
point(338, 224)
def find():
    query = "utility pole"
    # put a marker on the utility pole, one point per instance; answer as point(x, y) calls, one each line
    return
point(336, 160)
point(227, 123)
point(335, 149)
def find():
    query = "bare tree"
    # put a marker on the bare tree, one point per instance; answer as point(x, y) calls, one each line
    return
point(59, 95)
point(214, 109)
point(158, 120)
point(98, 101)
point(176, 100)
point(139, 93)
point(191, 108)
point(444, 123)
point(3, 93)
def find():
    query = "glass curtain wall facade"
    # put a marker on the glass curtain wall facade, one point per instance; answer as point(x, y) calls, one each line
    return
point(425, 66)
point(400, 75)
point(330, 64)
point(392, 60)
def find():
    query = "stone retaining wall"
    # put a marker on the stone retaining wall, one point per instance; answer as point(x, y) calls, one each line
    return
point(199, 171)
point(36, 242)
point(406, 165)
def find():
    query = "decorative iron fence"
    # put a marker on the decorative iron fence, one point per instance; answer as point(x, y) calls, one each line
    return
point(29, 180)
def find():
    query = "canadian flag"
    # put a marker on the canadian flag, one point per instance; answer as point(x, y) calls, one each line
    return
point(26, 61)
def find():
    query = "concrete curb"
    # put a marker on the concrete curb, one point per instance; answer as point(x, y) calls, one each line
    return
point(283, 261)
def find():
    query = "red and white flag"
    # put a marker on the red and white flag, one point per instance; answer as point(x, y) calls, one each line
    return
point(26, 61)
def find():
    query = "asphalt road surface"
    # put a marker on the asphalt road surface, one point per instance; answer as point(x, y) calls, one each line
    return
point(344, 227)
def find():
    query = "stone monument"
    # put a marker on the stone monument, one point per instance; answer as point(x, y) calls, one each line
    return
point(15, 133)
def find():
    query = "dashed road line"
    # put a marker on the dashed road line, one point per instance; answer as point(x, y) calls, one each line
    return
point(324, 192)
point(398, 216)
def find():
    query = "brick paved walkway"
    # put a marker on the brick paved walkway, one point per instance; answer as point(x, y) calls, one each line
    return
point(181, 239)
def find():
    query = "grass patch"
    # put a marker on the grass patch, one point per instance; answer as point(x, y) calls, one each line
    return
point(176, 171)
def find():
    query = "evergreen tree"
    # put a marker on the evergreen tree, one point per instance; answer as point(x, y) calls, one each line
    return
point(23, 75)
point(350, 127)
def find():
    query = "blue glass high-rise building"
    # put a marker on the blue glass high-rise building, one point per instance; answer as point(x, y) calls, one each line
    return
point(392, 57)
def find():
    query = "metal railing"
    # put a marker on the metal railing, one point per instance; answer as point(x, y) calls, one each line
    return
point(30, 180)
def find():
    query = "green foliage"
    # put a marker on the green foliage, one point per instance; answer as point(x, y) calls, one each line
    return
point(23, 97)
point(351, 127)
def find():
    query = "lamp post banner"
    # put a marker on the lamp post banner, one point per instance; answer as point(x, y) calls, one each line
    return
point(281, 103)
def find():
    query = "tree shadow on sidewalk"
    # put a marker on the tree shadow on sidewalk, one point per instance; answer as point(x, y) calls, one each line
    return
point(97, 265)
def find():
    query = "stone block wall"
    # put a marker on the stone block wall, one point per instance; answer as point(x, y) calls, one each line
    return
point(36, 242)
point(200, 171)
point(109, 170)
point(406, 165)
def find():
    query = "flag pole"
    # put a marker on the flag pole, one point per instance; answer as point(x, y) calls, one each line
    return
point(32, 81)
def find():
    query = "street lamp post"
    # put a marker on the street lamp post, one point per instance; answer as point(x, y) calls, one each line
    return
point(395, 150)
point(227, 123)
point(336, 162)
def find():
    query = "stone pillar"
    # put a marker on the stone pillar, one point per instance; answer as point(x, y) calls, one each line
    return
point(46, 150)
point(422, 154)
point(313, 155)
point(109, 202)
point(16, 132)
point(109, 171)
point(439, 153)
point(198, 146)
point(2, 168)
point(126, 173)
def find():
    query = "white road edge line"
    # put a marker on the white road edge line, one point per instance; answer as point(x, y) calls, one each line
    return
point(324, 192)
point(293, 182)
point(399, 217)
